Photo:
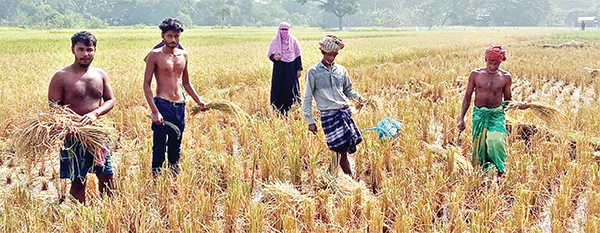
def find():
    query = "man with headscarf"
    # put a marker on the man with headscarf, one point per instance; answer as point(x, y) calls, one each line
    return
point(492, 87)
point(329, 83)
point(284, 51)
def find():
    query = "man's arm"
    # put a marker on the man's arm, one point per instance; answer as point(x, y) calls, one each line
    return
point(189, 87)
point(307, 101)
point(56, 92)
point(467, 100)
point(108, 98)
point(506, 91)
point(148, 73)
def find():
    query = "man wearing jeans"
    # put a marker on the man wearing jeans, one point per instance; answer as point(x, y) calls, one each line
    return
point(169, 65)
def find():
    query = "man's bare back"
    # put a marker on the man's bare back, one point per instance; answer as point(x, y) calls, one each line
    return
point(168, 69)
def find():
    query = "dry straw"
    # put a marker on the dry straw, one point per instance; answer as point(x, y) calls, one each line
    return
point(281, 192)
point(225, 107)
point(48, 130)
point(452, 156)
point(373, 103)
point(544, 112)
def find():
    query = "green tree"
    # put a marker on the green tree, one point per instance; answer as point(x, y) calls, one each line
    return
point(224, 13)
point(339, 8)
point(519, 12)
point(114, 12)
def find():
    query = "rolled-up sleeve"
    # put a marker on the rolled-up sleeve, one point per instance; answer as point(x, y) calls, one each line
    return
point(308, 96)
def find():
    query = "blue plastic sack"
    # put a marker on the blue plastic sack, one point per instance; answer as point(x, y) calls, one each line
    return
point(387, 128)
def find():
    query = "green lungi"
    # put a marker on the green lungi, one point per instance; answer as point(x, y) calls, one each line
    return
point(489, 138)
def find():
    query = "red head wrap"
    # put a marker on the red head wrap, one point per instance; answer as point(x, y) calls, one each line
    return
point(495, 52)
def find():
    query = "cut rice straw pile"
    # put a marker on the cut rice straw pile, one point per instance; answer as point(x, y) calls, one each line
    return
point(225, 107)
point(544, 112)
point(47, 131)
point(280, 192)
point(452, 156)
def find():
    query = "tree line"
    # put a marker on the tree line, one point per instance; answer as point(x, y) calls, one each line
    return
point(52, 14)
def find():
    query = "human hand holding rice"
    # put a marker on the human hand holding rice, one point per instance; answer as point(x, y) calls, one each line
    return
point(202, 106)
point(47, 131)
point(362, 102)
point(224, 106)
point(546, 113)
point(522, 105)
point(89, 118)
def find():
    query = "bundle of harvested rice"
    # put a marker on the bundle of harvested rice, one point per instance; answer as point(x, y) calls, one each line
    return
point(48, 130)
point(280, 192)
point(452, 154)
point(373, 103)
point(347, 186)
point(226, 107)
point(544, 112)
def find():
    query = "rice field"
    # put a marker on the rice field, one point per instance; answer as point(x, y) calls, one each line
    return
point(265, 173)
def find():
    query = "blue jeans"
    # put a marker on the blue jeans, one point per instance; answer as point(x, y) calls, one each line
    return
point(165, 138)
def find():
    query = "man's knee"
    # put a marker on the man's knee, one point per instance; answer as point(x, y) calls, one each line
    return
point(105, 178)
point(105, 184)
point(78, 183)
point(495, 139)
point(78, 189)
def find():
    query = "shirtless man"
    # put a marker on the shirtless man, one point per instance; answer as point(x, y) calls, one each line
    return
point(492, 87)
point(86, 90)
point(169, 65)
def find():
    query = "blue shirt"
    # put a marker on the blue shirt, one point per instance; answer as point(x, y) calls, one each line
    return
point(330, 88)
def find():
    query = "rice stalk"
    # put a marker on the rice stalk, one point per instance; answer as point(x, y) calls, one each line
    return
point(283, 199)
point(544, 112)
point(372, 103)
point(46, 131)
point(280, 192)
point(453, 158)
point(225, 107)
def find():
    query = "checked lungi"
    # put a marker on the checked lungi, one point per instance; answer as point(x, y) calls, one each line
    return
point(340, 130)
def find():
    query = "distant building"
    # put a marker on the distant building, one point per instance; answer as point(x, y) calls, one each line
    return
point(587, 20)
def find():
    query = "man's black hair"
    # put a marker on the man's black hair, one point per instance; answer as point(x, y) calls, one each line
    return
point(87, 38)
point(169, 24)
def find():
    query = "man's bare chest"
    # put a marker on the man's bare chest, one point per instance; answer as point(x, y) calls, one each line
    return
point(84, 88)
point(489, 81)
point(171, 63)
